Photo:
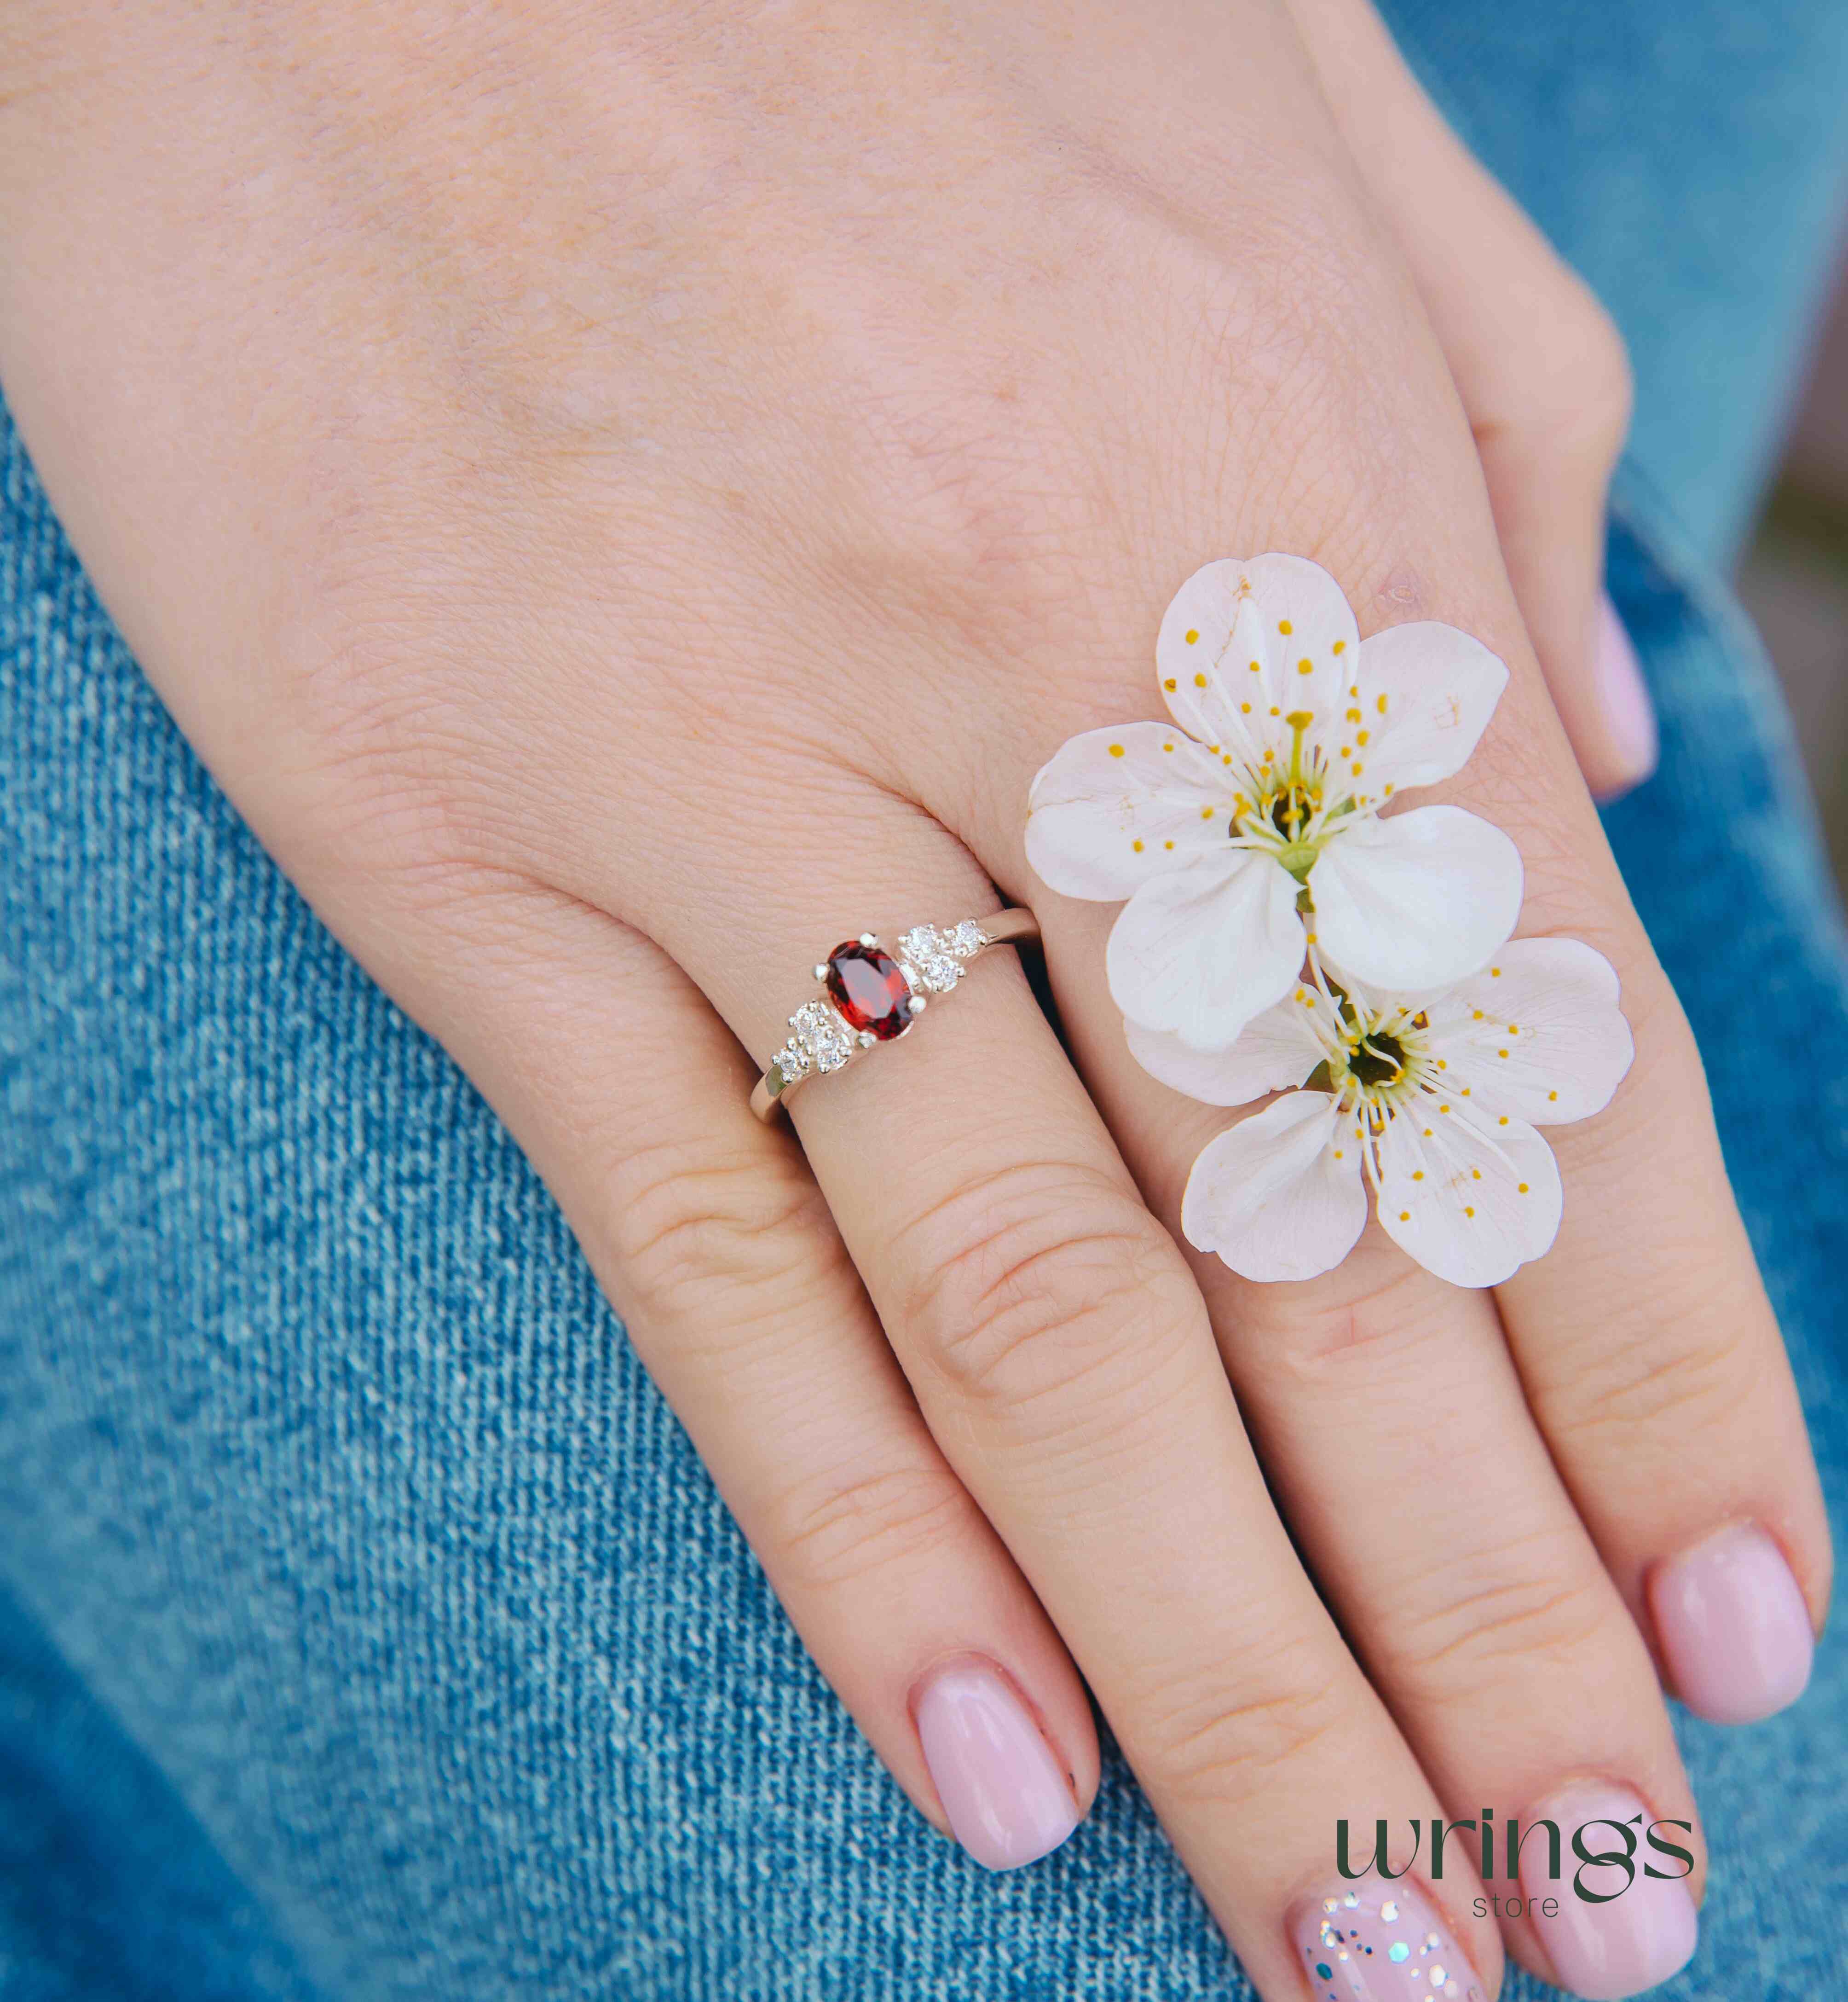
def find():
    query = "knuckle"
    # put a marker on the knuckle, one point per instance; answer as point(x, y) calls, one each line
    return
point(1507, 1603)
point(990, 473)
point(839, 1529)
point(1575, 391)
point(1606, 385)
point(694, 1230)
point(1221, 1739)
point(1030, 1281)
point(1372, 1313)
point(1593, 393)
point(1697, 1382)
point(979, 498)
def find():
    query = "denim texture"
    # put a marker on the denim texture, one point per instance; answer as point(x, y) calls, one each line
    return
point(1689, 158)
point(367, 1627)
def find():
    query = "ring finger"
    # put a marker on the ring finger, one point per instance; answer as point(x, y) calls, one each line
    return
point(1060, 1350)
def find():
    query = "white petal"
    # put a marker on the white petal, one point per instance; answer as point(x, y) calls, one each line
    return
point(1257, 623)
point(1314, 643)
point(1470, 1201)
point(1201, 950)
point(1280, 1196)
point(1115, 807)
point(1538, 1033)
point(1277, 1049)
point(1416, 901)
point(1427, 693)
point(1214, 663)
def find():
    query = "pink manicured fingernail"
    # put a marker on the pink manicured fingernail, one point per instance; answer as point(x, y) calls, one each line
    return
point(1645, 1932)
point(1628, 714)
point(1379, 1941)
point(1733, 1627)
point(1007, 1797)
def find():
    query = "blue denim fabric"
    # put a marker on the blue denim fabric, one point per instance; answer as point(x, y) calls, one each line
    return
point(1690, 157)
point(367, 1627)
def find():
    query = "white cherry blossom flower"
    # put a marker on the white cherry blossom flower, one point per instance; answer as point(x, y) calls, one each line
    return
point(1434, 1101)
point(1258, 807)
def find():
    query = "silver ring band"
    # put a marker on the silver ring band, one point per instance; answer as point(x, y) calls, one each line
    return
point(871, 996)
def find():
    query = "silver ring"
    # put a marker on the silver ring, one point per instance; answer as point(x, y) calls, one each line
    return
point(871, 996)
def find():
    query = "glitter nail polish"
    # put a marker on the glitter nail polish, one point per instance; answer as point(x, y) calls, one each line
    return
point(1380, 1941)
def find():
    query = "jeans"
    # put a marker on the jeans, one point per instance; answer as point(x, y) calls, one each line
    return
point(367, 1627)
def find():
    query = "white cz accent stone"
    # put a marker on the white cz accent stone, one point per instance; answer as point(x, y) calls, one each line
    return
point(967, 939)
point(932, 954)
point(793, 1060)
point(824, 1036)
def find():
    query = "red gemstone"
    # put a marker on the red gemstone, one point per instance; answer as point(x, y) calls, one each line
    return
point(866, 986)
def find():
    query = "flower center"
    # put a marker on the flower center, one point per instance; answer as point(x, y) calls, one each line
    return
point(1380, 1060)
point(1284, 813)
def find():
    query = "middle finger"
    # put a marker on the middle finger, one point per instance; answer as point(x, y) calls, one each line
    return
point(1393, 1425)
point(1478, 1598)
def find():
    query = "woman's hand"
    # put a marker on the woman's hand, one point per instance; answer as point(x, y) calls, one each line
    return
point(623, 498)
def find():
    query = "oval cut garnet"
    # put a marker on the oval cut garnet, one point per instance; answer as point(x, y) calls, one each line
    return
point(866, 986)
